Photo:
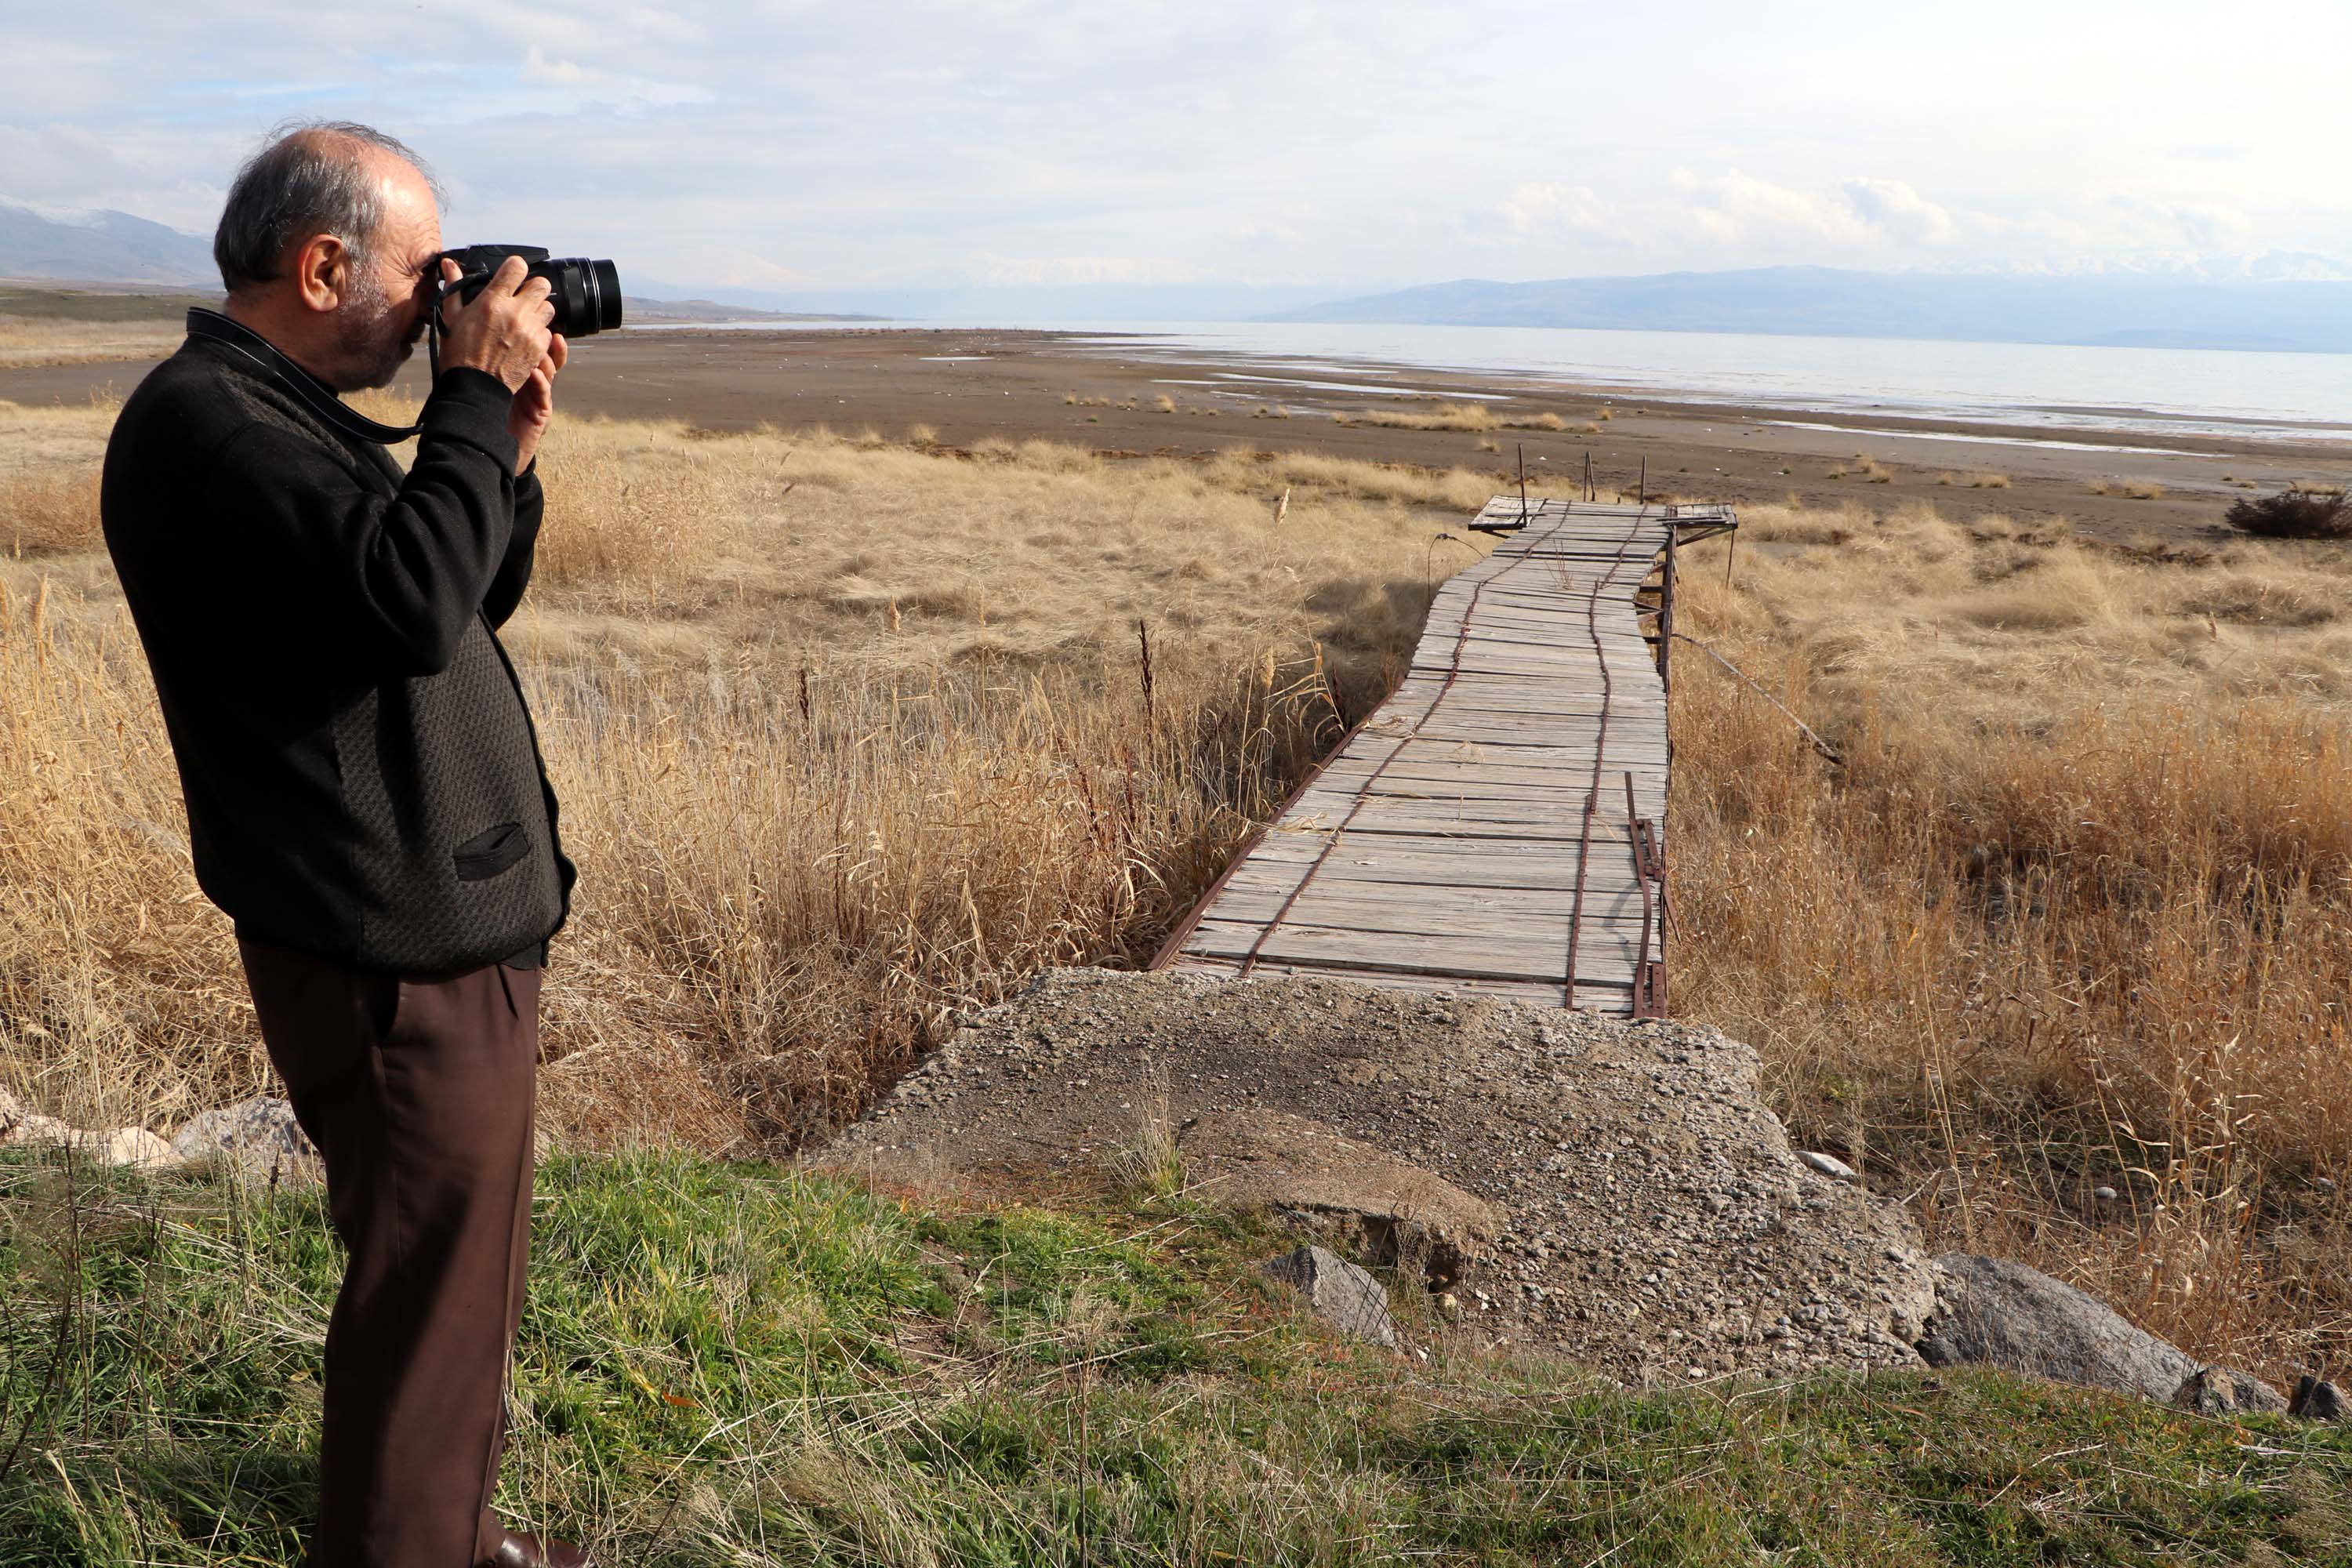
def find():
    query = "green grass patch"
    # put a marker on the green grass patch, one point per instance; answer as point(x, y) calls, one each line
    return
point(736, 1364)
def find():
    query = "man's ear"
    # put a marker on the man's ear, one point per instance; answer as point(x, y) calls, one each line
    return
point(322, 272)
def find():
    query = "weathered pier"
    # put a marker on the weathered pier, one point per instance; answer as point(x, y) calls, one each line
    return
point(1499, 823)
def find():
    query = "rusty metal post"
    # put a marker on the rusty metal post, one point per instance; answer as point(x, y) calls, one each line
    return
point(1666, 613)
point(1645, 986)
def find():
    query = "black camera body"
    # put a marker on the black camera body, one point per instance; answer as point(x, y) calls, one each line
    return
point(586, 294)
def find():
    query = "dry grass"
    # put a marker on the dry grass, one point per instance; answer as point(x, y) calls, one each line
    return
point(49, 460)
point(850, 736)
point(2077, 913)
point(2130, 490)
point(1470, 417)
point(26, 341)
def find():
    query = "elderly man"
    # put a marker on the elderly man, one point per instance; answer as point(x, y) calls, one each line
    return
point(364, 791)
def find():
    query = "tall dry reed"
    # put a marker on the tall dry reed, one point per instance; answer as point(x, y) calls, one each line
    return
point(2076, 912)
point(848, 737)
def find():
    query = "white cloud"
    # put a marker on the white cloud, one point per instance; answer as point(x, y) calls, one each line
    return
point(1734, 208)
point(594, 86)
point(1547, 203)
point(1894, 208)
point(1364, 144)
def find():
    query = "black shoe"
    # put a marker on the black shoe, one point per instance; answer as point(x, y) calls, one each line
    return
point(530, 1552)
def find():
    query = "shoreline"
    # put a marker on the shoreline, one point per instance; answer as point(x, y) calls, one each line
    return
point(964, 385)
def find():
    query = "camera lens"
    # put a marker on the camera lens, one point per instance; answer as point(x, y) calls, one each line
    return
point(604, 295)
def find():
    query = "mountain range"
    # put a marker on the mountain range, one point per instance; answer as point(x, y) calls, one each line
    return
point(2105, 310)
point(99, 247)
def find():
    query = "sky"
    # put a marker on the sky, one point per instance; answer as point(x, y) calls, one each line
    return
point(1353, 147)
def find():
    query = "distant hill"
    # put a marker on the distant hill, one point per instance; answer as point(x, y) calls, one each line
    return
point(2112, 309)
point(999, 304)
point(648, 312)
point(100, 248)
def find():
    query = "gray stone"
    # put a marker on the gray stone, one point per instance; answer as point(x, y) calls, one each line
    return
point(1828, 1166)
point(1993, 1313)
point(2315, 1400)
point(257, 1137)
point(2225, 1390)
point(2105, 1194)
point(1343, 1295)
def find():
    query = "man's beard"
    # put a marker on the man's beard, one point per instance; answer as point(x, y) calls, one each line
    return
point(371, 345)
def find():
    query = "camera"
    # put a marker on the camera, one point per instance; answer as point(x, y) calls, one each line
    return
point(586, 294)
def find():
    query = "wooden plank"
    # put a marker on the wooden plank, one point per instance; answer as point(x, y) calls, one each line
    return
point(1439, 911)
point(1470, 868)
point(1463, 798)
point(1509, 958)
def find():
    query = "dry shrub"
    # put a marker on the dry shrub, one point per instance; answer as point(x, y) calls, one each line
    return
point(1471, 416)
point(2077, 912)
point(808, 887)
point(118, 987)
point(634, 512)
point(49, 511)
point(1444, 417)
point(2293, 514)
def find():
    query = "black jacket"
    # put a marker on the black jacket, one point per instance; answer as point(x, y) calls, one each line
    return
point(361, 772)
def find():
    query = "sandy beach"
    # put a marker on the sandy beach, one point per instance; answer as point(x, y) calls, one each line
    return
point(967, 385)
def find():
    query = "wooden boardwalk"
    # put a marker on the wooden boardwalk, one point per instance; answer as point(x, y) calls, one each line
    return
point(1499, 825)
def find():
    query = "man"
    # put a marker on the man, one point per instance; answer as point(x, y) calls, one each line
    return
point(364, 791)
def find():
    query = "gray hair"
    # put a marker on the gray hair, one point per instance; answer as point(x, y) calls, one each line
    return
point(311, 177)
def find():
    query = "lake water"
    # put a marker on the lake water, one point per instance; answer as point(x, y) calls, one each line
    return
point(2153, 391)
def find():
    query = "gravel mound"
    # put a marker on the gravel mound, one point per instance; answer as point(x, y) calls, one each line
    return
point(1655, 1225)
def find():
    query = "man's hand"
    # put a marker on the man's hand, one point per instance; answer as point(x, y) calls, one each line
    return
point(526, 416)
point(505, 329)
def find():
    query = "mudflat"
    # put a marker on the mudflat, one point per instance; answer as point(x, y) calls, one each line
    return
point(965, 385)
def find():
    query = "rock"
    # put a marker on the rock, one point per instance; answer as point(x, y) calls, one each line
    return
point(30, 1126)
point(134, 1147)
point(1992, 1312)
point(2317, 1401)
point(1829, 1165)
point(257, 1137)
point(1321, 1181)
point(2224, 1390)
point(2105, 1194)
point(1342, 1295)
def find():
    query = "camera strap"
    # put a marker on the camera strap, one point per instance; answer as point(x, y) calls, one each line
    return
point(315, 394)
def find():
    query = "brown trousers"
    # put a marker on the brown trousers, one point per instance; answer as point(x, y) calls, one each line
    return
point(418, 1093)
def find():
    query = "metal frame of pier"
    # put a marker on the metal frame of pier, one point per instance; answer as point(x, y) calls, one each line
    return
point(1499, 825)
